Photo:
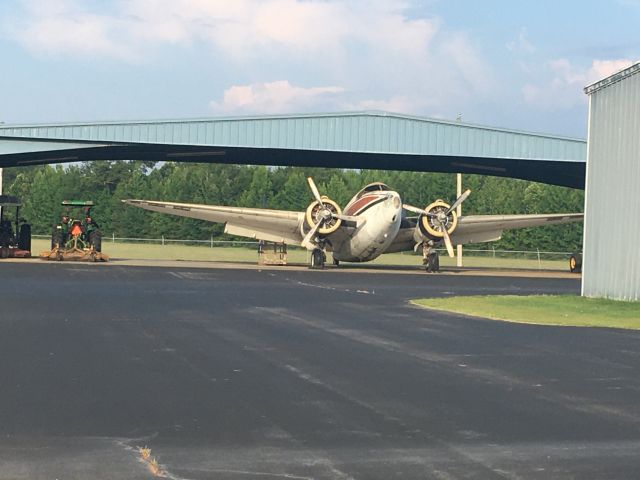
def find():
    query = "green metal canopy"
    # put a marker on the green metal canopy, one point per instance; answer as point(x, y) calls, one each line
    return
point(369, 140)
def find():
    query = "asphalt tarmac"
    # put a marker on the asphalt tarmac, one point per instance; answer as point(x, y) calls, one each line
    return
point(293, 374)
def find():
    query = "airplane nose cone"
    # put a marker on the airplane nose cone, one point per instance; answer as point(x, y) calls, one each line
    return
point(394, 204)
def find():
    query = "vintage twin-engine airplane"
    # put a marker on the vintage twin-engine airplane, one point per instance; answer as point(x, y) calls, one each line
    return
point(372, 223)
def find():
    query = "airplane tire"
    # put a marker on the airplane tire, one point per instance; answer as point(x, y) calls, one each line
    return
point(317, 259)
point(575, 263)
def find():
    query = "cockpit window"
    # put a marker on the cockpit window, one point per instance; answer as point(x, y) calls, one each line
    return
point(373, 187)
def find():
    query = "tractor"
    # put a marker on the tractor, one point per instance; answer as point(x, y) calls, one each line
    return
point(76, 239)
point(13, 243)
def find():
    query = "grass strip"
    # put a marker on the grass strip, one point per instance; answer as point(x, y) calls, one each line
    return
point(150, 251)
point(560, 310)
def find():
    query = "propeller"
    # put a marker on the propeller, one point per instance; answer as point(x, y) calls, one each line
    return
point(447, 241)
point(306, 241)
point(314, 190)
point(422, 211)
point(440, 218)
point(325, 213)
point(459, 201)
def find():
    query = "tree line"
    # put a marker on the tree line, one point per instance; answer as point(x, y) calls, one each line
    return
point(42, 188)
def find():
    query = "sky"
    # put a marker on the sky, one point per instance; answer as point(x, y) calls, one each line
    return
point(504, 63)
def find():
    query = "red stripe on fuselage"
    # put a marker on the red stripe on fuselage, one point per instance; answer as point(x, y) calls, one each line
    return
point(359, 204)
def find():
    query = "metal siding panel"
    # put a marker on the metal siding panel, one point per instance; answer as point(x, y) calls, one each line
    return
point(339, 134)
point(359, 134)
point(413, 132)
point(274, 132)
point(192, 133)
point(393, 136)
point(464, 141)
point(367, 140)
point(612, 261)
point(243, 132)
point(378, 132)
point(316, 133)
point(208, 133)
point(447, 136)
point(201, 136)
point(225, 135)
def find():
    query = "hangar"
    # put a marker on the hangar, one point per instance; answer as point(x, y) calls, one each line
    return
point(611, 265)
point(369, 140)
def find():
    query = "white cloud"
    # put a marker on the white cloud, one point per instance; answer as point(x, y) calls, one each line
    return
point(63, 28)
point(273, 97)
point(372, 53)
point(564, 88)
point(521, 44)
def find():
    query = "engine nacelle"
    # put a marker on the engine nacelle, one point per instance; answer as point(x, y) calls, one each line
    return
point(317, 212)
point(431, 226)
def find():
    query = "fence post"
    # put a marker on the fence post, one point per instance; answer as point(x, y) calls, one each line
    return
point(539, 263)
point(113, 238)
point(211, 241)
point(163, 240)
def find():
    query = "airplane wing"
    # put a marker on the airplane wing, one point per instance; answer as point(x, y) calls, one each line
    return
point(487, 228)
point(482, 228)
point(263, 224)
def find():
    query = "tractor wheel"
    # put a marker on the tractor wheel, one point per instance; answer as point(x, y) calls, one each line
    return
point(95, 240)
point(24, 239)
point(56, 238)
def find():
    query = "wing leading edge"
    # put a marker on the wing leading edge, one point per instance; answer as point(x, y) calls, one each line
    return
point(262, 224)
point(475, 228)
point(483, 228)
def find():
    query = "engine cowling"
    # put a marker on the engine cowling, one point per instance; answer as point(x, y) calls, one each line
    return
point(317, 212)
point(431, 225)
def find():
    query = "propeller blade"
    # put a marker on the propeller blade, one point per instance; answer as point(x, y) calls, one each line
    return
point(458, 201)
point(447, 242)
point(314, 190)
point(419, 211)
point(413, 209)
point(306, 241)
point(359, 220)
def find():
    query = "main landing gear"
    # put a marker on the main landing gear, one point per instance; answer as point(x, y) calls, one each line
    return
point(318, 258)
point(430, 258)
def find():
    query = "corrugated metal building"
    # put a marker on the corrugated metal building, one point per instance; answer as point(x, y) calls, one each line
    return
point(373, 140)
point(611, 265)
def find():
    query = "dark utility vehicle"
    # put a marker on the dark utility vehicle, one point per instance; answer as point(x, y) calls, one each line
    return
point(77, 236)
point(14, 242)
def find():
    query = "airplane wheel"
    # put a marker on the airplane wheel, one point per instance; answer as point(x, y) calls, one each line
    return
point(433, 262)
point(575, 263)
point(317, 258)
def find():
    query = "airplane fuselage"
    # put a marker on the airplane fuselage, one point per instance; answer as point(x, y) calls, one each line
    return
point(382, 214)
